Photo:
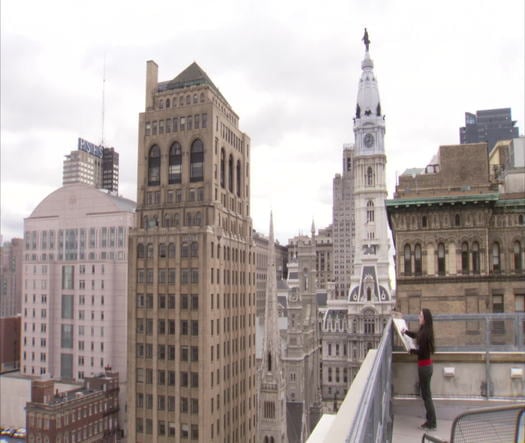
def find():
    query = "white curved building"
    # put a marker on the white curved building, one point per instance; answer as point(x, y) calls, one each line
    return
point(74, 296)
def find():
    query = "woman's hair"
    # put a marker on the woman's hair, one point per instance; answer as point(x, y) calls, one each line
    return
point(426, 332)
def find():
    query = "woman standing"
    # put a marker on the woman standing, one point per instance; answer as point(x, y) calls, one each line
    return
point(425, 342)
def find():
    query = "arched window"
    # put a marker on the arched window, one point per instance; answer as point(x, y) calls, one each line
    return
point(424, 221)
point(196, 161)
point(457, 220)
point(223, 166)
point(408, 260)
point(369, 176)
point(175, 164)
point(167, 103)
point(150, 250)
point(517, 256)
point(269, 362)
point(162, 250)
point(464, 258)
point(496, 259)
point(140, 250)
point(238, 176)
point(369, 211)
point(441, 259)
point(475, 258)
point(230, 173)
point(418, 262)
point(154, 166)
point(171, 250)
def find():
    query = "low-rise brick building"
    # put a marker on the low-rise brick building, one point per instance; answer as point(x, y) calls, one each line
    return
point(87, 414)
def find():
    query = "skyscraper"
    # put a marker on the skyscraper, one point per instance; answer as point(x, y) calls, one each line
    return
point(11, 277)
point(191, 317)
point(489, 125)
point(343, 225)
point(91, 164)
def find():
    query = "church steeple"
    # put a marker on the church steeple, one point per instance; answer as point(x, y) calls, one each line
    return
point(272, 389)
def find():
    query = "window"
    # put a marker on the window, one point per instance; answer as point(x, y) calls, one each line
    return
point(67, 306)
point(230, 173)
point(464, 258)
point(154, 166)
point(441, 259)
point(418, 263)
point(370, 211)
point(196, 161)
point(175, 164)
point(223, 160)
point(408, 260)
point(517, 257)
point(369, 177)
point(475, 258)
point(457, 220)
point(238, 177)
point(498, 326)
point(496, 259)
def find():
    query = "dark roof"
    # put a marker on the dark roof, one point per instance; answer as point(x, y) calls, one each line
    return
point(294, 421)
point(461, 198)
point(193, 75)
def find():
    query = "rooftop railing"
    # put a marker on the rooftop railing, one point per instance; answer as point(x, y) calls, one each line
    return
point(366, 412)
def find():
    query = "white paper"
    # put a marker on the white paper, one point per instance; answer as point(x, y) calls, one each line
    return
point(408, 342)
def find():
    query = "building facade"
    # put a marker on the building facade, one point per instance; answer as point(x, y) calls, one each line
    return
point(10, 337)
point(75, 285)
point(191, 319)
point(261, 243)
point(343, 223)
point(488, 126)
point(11, 254)
point(89, 413)
point(460, 236)
point(93, 165)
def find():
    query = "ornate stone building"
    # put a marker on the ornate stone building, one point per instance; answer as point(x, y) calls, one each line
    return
point(191, 310)
point(459, 234)
point(298, 348)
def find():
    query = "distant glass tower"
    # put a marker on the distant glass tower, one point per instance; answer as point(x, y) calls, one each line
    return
point(490, 126)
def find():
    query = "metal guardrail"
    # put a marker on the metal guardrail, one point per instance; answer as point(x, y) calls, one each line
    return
point(503, 332)
point(505, 424)
point(373, 422)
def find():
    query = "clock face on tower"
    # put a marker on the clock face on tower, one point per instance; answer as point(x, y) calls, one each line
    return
point(369, 140)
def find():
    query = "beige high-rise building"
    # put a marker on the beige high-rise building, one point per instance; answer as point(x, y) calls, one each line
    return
point(191, 311)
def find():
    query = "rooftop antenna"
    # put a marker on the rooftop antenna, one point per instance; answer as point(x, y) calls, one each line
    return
point(103, 99)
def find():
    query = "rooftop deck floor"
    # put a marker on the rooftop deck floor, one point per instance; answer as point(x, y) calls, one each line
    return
point(409, 413)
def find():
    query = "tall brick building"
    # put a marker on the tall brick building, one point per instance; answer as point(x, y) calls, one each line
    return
point(191, 310)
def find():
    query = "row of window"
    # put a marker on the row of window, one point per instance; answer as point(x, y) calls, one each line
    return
point(188, 99)
point(177, 124)
point(81, 255)
point(168, 276)
point(164, 428)
point(72, 239)
point(470, 258)
point(175, 163)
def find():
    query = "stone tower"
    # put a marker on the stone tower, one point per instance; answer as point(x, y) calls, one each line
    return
point(370, 281)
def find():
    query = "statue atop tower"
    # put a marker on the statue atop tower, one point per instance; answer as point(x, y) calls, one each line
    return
point(366, 40)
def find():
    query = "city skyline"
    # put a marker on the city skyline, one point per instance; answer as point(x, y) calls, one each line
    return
point(291, 72)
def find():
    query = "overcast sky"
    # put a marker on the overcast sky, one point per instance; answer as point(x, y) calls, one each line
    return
point(290, 70)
